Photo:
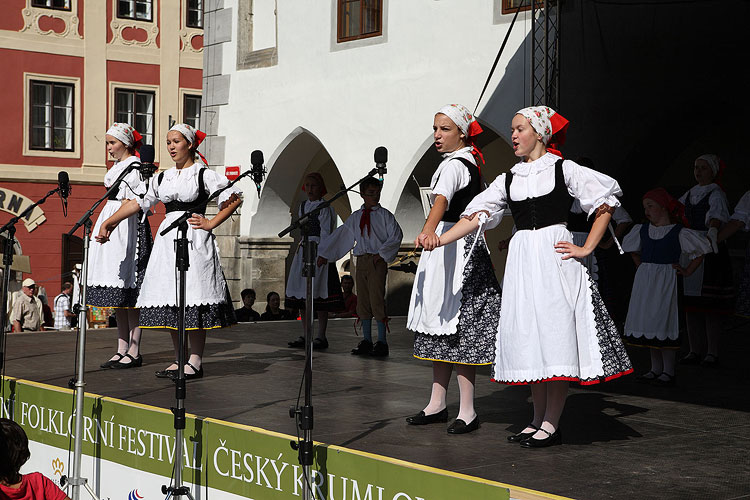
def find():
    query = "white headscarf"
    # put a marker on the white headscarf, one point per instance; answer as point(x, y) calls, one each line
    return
point(125, 134)
point(713, 161)
point(186, 130)
point(539, 117)
point(460, 115)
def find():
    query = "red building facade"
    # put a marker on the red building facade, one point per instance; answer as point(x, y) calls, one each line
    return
point(71, 68)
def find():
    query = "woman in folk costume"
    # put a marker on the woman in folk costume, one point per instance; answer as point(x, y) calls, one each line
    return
point(740, 220)
point(327, 295)
point(455, 300)
point(554, 327)
point(653, 315)
point(115, 271)
point(207, 300)
point(709, 290)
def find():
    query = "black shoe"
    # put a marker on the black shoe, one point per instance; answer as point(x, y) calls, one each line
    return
point(517, 438)
point(645, 378)
point(190, 376)
point(380, 349)
point(167, 373)
point(692, 358)
point(422, 419)
point(461, 427)
point(108, 364)
point(319, 343)
point(670, 381)
point(134, 362)
point(300, 342)
point(550, 440)
point(363, 348)
point(710, 361)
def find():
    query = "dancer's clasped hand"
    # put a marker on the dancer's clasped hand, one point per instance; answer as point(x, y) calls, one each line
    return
point(571, 251)
point(198, 221)
point(428, 241)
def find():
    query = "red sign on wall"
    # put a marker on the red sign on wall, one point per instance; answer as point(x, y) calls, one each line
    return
point(232, 172)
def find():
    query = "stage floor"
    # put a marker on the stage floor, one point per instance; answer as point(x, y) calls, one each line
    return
point(621, 440)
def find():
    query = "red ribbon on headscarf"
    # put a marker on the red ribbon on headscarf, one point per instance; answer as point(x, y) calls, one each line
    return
point(199, 136)
point(365, 221)
point(474, 130)
point(319, 178)
point(559, 131)
point(137, 139)
point(672, 205)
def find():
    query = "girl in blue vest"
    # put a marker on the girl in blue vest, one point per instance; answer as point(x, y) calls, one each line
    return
point(653, 316)
point(709, 290)
point(327, 294)
point(740, 220)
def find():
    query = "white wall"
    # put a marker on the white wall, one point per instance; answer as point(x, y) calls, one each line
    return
point(383, 91)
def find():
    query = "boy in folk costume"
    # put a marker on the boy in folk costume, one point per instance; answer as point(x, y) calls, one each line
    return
point(376, 237)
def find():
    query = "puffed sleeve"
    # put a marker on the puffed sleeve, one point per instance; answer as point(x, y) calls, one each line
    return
point(339, 241)
point(593, 189)
point(742, 211)
point(632, 240)
point(133, 185)
point(621, 216)
point(694, 243)
point(151, 197)
point(389, 249)
point(718, 207)
point(453, 176)
point(215, 181)
point(492, 201)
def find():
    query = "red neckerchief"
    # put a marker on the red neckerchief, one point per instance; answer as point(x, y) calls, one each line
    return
point(365, 221)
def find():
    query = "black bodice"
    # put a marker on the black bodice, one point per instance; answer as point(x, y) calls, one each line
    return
point(463, 197)
point(542, 211)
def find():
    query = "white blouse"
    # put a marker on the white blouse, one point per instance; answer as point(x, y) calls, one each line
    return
point(182, 185)
point(742, 211)
point(451, 175)
point(718, 206)
point(383, 238)
point(692, 243)
point(132, 185)
point(537, 178)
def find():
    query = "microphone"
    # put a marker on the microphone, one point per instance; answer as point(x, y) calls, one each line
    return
point(258, 171)
point(63, 188)
point(381, 158)
point(147, 167)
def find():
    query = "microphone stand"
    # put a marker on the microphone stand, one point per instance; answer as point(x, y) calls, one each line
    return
point(304, 414)
point(182, 263)
point(78, 384)
point(10, 227)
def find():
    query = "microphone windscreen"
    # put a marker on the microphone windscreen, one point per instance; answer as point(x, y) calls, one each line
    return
point(256, 157)
point(381, 154)
point(63, 182)
point(147, 153)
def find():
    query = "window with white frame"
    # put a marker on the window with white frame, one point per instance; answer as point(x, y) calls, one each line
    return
point(194, 14)
point(135, 9)
point(136, 108)
point(51, 4)
point(52, 116)
point(191, 110)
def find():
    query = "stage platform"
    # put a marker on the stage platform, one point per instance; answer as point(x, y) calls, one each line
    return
point(621, 440)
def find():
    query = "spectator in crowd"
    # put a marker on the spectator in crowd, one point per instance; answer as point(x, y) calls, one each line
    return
point(63, 308)
point(273, 309)
point(14, 452)
point(26, 310)
point(350, 300)
point(246, 312)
